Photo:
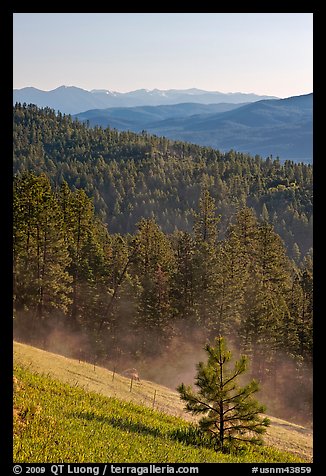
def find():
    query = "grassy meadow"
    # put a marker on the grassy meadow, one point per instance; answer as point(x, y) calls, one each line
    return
point(71, 411)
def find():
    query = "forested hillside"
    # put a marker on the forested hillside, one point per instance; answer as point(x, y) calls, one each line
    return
point(282, 127)
point(146, 297)
point(130, 176)
point(181, 245)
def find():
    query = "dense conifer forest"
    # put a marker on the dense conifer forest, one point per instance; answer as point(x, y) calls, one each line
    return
point(132, 176)
point(135, 242)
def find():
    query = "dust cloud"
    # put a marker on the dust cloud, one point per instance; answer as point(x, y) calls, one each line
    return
point(286, 389)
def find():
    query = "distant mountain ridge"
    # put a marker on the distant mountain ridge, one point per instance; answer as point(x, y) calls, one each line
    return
point(140, 117)
point(280, 127)
point(72, 100)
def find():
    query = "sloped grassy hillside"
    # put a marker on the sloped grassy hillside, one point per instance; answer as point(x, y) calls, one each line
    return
point(62, 413)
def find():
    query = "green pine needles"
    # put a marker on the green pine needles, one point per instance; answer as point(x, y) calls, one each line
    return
point(230, 412)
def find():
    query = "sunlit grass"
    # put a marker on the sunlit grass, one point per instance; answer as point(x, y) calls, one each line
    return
point(86, 418)
point(54, 422)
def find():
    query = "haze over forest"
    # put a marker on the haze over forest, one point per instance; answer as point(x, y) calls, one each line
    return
point(158, 253)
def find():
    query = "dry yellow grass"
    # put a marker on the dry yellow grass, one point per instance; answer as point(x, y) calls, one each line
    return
point(282, 434)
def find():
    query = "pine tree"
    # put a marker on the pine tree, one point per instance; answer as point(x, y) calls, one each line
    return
point(237, 256)
point(296, 254)
point(231, 279)
point(152, 268)
point(206, 221)
point(230, 413)
point(266, 316)
point(80, 236)
point(116, 295)
point(182, 286)
point(41, 258)
point(301, 305)
point(205, 260)
point(264, 214)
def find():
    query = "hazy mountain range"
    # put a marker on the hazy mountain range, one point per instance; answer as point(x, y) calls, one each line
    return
point(244, 122)
point(71, 100)
point(281, 127)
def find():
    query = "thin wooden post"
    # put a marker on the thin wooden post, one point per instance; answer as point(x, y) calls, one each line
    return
point(113, 374)
point(154, 399)
point(131, 380)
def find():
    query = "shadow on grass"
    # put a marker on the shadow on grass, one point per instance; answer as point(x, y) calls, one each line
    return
point(189, 436)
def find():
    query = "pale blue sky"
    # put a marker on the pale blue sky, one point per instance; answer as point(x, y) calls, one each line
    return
point(265, 53)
